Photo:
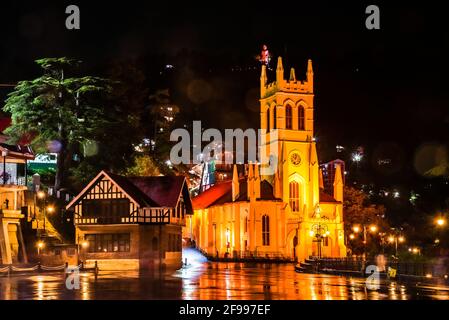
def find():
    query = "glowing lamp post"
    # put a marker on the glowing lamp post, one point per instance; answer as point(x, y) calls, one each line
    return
point(372, 228)
point(40, 245)
point(319, 231)
point(440, 222)
point(50, 209)
point(228, 242)
point(396, 240)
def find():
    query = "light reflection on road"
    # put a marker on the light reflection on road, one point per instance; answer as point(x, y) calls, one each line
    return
point(211, 280)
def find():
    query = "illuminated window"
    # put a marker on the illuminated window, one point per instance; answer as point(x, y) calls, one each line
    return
point(268, 120)
point(288, 117)
point(108, 242)
point(265, 230)
point(294, 196)
point(274, 118)
point(325, 241)
point(301, 119)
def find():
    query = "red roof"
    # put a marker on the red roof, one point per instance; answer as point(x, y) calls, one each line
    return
point(164, 190)
point(222, 193)
point(208, 197)
point(324, 197)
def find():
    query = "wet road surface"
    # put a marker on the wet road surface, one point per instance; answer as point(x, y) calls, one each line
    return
point(212, 280)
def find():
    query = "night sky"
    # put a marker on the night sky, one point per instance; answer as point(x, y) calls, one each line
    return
point(385, 90)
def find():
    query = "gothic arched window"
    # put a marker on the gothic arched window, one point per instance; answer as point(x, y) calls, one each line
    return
point(268, 120)
point(301, 118)
point(288, 117)
point(265, 230)
point(294, 196)
point(274, 118)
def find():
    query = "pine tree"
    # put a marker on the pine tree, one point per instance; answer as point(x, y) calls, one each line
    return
point(58, 110)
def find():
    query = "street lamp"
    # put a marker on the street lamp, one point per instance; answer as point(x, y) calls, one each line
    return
point(440, 222)
point(43, 197)
point(40, 245)
point(395, 240)
point(228, 232)
point(372, 228)
point(319, 231)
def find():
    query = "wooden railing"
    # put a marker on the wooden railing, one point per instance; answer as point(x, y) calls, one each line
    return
point(162, 215)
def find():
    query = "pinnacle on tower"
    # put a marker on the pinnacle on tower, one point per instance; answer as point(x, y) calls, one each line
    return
point(309, 75)
point(321, 179)
point(279, 71)
point(256, 181)
point(309, 69)
point(263, 80)
point(235, 184)
point(292, 75)
point(338, 184)
point(277, 185)
point(250, 182)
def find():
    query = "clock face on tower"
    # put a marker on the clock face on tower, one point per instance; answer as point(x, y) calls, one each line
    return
point(295, 158)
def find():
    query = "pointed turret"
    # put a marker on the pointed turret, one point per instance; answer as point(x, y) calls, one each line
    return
point(292, 75)
point(250, 182)
point(277, 185)
point(321, 179)
point(338, 184)
point(256, 182)
point(263, 80)
point(235, 184)
point(279, 72)
point(313, 154)
point(309, 74)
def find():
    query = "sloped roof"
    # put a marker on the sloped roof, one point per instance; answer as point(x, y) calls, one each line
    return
point(324, 197)
point(160, 191)
point(133, 191)
point(163, 190)
point(222, 193)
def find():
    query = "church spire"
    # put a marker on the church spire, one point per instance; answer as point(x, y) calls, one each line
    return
point(263, 80)
point(256, 182)
point(309, 75)
point(338, 184)
point(277, 185)
point(235, 184)
point(250, 182)
point(292, 75)
point(321, 179)
point(279, 71)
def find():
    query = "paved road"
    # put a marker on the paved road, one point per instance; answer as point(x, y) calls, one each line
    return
point(205, 280)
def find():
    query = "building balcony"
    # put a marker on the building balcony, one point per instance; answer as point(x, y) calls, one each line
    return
point(144, 216)
point(12, 181)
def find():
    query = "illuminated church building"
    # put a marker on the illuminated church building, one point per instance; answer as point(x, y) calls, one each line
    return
point(285, 215)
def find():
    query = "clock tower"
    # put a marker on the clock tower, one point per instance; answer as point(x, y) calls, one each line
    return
point(286, 210)
point(286, 111)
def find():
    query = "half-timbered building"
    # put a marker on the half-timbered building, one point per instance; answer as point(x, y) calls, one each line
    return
point(131, 223)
